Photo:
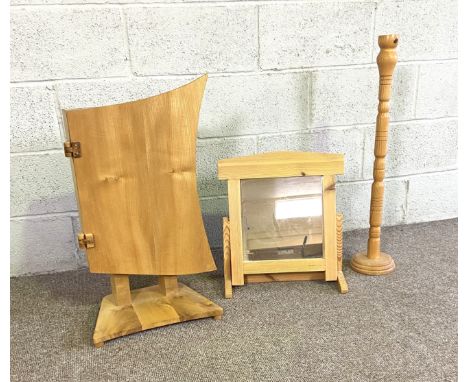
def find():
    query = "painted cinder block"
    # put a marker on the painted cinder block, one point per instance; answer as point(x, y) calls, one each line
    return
point(50, 2)
point(209, 151)
point(66, 42)
point(73, 95)
point(254, 104)
point(415, 147)
point(298, 35)
point(432, 197)
point(232, 105)
point(427, 29)
point(194, 39)
point(41, 245)
point(437, 90)
point(347, 141)
point(353, 200)
point(34, 124)
point(350, 96)
point(80, 255)
point(41, 184)
point(213, 210)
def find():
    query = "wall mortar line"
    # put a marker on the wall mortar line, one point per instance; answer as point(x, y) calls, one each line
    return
point(416, 93)
point(225, 73)
point(373, 31)
point(258, 38)
point(188, 3)
point(70, 214)
point(126, 39)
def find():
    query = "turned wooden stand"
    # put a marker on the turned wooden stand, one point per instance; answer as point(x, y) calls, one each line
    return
point(373, 261)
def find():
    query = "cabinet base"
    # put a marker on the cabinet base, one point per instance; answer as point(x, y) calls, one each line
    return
point(151, 308)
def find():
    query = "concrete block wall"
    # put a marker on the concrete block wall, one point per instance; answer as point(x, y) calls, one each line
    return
point(283, 75)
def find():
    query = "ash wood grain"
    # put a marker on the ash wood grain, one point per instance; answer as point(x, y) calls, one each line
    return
point(120, 285)
point(168, 284)
point(136, 184)
point(151, 307)
point(281, 164)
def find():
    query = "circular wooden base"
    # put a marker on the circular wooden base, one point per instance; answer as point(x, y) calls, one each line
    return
point(374, 267)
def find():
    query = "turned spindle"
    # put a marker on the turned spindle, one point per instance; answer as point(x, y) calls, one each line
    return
point(375, 262)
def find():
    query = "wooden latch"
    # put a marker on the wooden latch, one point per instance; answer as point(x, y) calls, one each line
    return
point(86, 240)
point(72, 149)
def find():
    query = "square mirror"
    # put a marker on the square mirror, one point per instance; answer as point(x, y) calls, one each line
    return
point(282, 218)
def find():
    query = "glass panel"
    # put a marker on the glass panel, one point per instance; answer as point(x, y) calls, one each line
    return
point(282, 218)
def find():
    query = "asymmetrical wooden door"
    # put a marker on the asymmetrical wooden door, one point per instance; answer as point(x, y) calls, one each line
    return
point(136, 184)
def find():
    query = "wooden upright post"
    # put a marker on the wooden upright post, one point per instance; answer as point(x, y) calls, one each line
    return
point(375, 262)
point(121, 290)
point(168, 284)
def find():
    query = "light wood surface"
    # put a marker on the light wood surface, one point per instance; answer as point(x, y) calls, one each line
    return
point(136, 184)
point(329, 223)
point(293, 276)
point(168, 284)
point(261, 236)
point(281, 164)
point(227, 259)
point(339, 242)
point(151, 307)
point(235, 231)
point(284, 266)
point(120, 285)
point(342, 284)
point(375, 262)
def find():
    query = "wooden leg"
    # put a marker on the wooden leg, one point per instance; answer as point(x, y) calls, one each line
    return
point(168, 284)
point(342, 284)
point(121, 290)
point(227, 259)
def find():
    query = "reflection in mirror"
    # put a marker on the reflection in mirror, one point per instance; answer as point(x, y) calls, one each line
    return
point(282, 218)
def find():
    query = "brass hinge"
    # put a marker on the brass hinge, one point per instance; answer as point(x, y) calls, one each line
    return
point(72, 149)
point(86, 240)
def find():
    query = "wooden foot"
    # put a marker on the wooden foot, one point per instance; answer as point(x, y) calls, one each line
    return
point(227, 259)
point(151, 307)
point(380, 266)
point(218, 317)
point(342, 284)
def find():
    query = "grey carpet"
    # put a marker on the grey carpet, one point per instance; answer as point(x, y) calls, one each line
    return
point(400, 327)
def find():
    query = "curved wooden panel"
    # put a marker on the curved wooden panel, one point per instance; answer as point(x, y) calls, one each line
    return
point(136, 184)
